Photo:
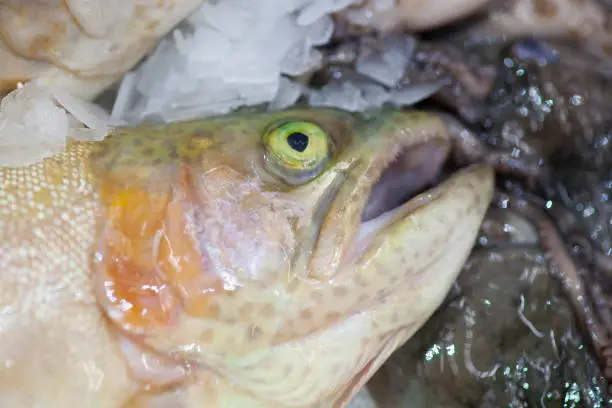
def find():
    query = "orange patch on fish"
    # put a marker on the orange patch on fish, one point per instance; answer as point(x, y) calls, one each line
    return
point(150, 259)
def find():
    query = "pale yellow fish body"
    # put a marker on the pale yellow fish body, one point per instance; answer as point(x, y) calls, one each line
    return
point(190, 261)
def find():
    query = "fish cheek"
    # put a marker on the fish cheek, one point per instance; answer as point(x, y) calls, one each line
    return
point(170, 246)
point(148, 265)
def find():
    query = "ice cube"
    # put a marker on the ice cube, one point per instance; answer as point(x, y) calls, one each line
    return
point(288, 94)
point(414, 93)
point(182, 41)
point(320, 31)
point(125, 96)
point(232, 17)
point(156, 67)
point(313, 12)
point(297, 60)
point(374, 95)
point(397, 52)
point(208, 45)
point(32, 126)
point(385, 61)
point(376, 68)
point(256, 93)
point(320, 8)
point(344, 96)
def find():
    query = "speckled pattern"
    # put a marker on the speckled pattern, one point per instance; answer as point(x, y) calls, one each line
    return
point(303, 318)
point(53, 342)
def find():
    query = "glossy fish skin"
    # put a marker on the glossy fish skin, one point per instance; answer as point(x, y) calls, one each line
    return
point(273, 302)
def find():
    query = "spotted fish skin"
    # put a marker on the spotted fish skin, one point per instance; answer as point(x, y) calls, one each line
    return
point(171, 259)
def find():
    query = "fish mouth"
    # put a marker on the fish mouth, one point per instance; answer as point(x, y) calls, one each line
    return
point(407, 182)
point(413, 170)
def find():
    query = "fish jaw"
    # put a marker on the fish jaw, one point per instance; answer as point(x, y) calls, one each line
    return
point(408, 240)
point(417, 261)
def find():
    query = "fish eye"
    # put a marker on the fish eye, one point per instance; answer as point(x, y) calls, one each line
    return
point(296, 151)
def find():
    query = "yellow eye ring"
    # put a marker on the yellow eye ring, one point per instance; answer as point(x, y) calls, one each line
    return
point(296, 150)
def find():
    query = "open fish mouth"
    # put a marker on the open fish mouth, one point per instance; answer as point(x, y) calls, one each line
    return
point(408, 180)
point(415, 168)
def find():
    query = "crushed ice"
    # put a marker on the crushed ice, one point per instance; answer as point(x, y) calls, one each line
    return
point(229, 54)
point(36, 121)
point(235, 53)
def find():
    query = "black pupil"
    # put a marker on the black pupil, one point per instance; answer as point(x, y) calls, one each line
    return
point(298, 141)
